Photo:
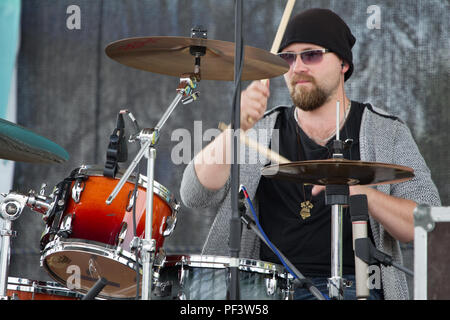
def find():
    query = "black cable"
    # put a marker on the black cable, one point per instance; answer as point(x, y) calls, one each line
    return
point(238, 82)
point(235, 225)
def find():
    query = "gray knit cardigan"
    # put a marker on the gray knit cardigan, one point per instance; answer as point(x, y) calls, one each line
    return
point(383, 138)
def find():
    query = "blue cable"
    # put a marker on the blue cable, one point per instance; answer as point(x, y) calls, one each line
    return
point(264, 234)
point(252, 209)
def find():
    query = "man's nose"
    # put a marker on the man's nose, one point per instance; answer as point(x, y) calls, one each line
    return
point(298, 66)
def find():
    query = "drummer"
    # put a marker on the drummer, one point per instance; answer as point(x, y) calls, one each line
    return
point(317, 45)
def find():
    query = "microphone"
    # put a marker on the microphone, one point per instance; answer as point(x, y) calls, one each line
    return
point(360, 215)
point(117, 148)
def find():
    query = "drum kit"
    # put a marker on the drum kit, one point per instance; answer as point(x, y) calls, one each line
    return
point(100, 241)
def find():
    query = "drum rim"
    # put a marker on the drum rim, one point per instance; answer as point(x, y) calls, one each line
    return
point(40, 286)
point(107, 251)
point(158, 188)
point(115, 253)
point(220, 262)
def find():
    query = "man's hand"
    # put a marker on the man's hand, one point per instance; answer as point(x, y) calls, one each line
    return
point(253, 103)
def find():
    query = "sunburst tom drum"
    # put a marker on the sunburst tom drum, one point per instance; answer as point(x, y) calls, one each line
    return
point(86, 239)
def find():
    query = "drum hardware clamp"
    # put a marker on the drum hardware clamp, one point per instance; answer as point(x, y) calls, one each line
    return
point(10, 210)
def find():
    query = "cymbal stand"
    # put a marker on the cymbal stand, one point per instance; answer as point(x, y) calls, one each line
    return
point(337, 197)
point(149, 138)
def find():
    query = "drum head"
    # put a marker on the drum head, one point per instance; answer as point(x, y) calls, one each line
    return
point(79, 264)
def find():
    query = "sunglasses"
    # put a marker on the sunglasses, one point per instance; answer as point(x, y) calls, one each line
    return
point(308, 57)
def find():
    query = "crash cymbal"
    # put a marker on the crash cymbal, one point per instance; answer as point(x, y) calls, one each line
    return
point(339, 171)
point(20, 144)
point(172, 56)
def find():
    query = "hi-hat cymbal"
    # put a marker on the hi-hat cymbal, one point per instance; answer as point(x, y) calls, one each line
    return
point(20, 144)
point(339, 171)
point(172, 56)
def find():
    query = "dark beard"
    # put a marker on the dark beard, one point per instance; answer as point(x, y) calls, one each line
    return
point(308, 100)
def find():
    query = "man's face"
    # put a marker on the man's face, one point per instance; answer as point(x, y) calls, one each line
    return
point(312, 85)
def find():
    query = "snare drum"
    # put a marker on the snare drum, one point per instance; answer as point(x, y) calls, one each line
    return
point(89, 239)
point(200, 277)
point(25, 289)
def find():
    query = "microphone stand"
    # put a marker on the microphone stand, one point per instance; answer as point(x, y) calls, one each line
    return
point(235, 226)
point(149, 138)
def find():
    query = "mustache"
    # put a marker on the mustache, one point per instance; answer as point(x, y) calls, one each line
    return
point(302, 78)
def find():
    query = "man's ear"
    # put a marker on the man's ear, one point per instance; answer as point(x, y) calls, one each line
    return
point(344, 66)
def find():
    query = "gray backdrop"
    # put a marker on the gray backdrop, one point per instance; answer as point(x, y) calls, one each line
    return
point(70, 92)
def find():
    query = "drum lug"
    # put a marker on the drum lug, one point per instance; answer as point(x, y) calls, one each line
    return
point(171, 223)
point(181, 296)
point(271, 285)
point(78, 188)
point(122, 233)
point(132, 200)
point(287, 288)
point(160, 258)
point(182, 273)
point(162, 289)
point(66, 226)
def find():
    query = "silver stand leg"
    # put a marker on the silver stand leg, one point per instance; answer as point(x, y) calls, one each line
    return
point(420, 263)
point(423, 223)
point(335, 283)
point(425, 218)
point(4, 260)
point(149, 244)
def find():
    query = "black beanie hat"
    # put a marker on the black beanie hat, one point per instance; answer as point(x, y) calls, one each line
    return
point(324, 28)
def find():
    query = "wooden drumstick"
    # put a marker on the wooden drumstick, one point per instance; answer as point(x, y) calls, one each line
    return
point(279, 36)
point(268, 153)
point(281, 29)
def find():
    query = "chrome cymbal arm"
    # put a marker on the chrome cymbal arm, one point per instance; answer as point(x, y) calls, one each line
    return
point(150, 136)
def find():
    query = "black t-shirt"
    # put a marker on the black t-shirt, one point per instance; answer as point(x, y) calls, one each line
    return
point(305, 242)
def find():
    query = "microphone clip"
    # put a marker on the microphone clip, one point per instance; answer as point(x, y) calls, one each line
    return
point(117, 150)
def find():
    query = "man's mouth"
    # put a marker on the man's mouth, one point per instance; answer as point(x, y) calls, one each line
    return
point(302, 81)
